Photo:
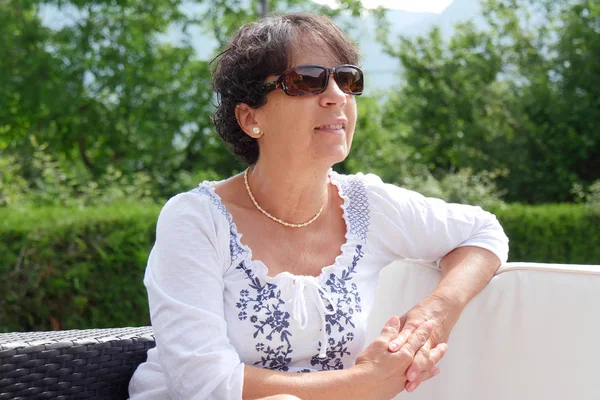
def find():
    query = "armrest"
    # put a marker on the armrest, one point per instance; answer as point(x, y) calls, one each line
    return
point(90, 363)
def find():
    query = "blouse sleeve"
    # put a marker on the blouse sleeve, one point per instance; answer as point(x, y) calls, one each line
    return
point(184, 279)
point(411, 226)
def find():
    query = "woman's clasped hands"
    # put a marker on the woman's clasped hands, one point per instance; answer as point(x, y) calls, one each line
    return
point(386, 370)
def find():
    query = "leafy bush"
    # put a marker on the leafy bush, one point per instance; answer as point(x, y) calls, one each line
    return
point(589, 196)
point(12, 185)
point(459, 187)
point(559, 233)
point(382, 150)
point(80, 268)
point(74, 268)
point(35, 177)
point(593, 199)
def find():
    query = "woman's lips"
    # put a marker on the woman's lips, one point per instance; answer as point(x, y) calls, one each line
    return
point(332, 128)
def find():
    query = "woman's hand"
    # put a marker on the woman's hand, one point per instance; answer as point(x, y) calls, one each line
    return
point(386, 370)
point(377, 375)
point(443, 316)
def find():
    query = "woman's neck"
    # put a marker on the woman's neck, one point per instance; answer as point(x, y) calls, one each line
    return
point(289, 192)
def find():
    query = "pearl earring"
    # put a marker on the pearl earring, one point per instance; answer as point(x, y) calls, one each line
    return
point(256, 130)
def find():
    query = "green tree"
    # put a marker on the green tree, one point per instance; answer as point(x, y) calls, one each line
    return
point(516, 99)
point(103, 90)
point(450, 100)
point(551, 50)
point(106, 91)
point(383, 151)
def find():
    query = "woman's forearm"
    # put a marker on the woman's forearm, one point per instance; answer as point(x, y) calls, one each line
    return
point(465, 272)
point(349, 384)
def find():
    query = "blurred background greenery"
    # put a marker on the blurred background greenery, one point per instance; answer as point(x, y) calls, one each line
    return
point(105, 113)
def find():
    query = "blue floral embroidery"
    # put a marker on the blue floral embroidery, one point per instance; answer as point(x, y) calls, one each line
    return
point(348, 295)
point(234, 248)
point(268, 319)
point(262, 304)
point(335, 352)
point(348, 303)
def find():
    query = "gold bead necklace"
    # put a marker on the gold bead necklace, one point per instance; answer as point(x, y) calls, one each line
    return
point(310, 221)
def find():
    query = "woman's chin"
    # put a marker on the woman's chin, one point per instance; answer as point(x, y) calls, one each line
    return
point(335, 155)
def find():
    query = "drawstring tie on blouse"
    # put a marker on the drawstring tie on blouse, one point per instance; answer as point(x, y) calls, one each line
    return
point(306, 290)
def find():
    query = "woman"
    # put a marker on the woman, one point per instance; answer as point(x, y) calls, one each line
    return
point(272, 272)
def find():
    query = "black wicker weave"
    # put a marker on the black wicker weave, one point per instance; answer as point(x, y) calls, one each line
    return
point(75, 364)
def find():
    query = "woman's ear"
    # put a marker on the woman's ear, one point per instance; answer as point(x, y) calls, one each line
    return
point(246, 118)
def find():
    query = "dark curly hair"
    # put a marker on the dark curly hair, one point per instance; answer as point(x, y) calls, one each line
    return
point(261, 49)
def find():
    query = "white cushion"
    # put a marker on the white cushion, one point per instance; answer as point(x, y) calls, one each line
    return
point(532, 333)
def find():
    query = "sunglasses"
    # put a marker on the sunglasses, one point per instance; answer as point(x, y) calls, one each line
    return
point(307, 80)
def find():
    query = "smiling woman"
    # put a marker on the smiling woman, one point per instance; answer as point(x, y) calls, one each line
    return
point(261, 284)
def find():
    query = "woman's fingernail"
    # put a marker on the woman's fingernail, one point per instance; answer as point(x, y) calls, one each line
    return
point(393, 346)
point(410, 387)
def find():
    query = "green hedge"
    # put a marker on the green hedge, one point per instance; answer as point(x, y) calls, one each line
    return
point(75, 269)
point(557, 233)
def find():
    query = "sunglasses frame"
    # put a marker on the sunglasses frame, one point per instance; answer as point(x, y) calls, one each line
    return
point(279, 83)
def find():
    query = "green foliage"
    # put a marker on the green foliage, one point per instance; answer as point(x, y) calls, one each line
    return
point(75, 268)
point(516, 98)
point(43, 180)
point(563, 233)
point(104, 92)
point(12, 184)
point(556, 116)
point(590, 196)
point(450, 100)
point(382, 150)
point(116, 106)
point(593, 198)
point(459, 187)
point(110, 97)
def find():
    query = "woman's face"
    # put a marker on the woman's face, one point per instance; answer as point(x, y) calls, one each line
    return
point(306, 128)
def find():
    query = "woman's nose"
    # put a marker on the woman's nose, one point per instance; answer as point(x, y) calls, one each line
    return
point(333, 95)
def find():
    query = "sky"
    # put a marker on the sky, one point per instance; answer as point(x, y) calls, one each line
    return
point(434, 6)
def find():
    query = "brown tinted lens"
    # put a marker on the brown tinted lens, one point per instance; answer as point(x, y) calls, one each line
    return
point(305, 80)
point(350, 79)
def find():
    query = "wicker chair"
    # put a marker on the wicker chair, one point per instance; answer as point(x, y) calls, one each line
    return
point(71, 364)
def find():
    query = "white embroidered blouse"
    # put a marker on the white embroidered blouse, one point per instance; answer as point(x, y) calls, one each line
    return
point(214, 309)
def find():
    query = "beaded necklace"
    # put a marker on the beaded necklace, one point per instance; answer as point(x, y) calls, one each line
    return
point(310, 221)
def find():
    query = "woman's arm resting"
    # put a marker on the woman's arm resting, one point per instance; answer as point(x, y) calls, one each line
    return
point(468, 241)
point(465, 272)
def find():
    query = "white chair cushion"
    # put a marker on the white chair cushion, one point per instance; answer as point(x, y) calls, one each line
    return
point(532, 333)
